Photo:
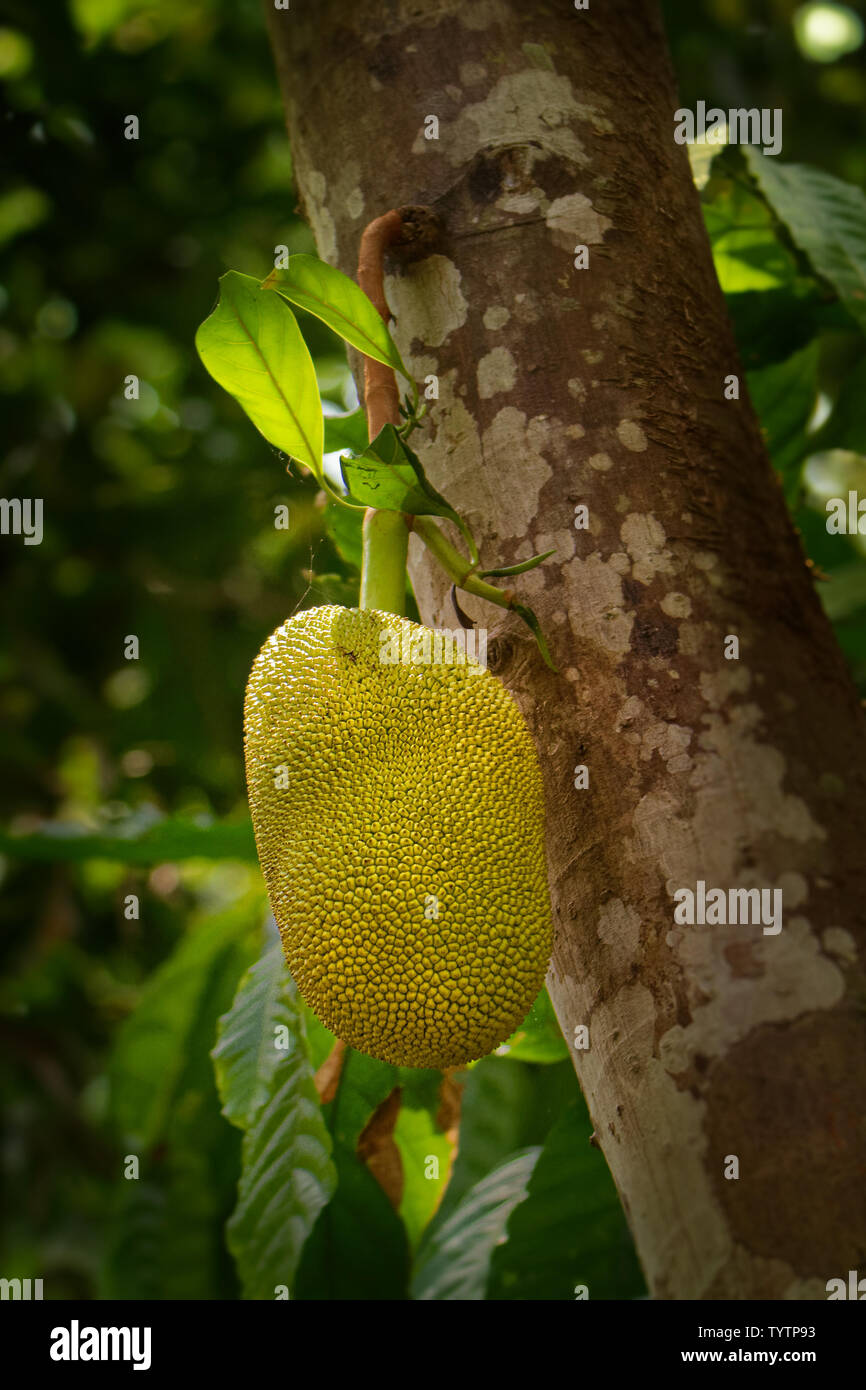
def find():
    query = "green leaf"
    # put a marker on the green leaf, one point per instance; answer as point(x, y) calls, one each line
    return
point(252, 345)
point(507, 1106)
point(344, 526)
point(154, 1057)
point(166, 1237)
point(419, 1138)
point(390, 477)
point(134, 1266)
point(771, 324)
point(516, 569)
point(320, 1042)
point(570, 1229)
point(166, 1233)
point(245, 1057)
point(287, 1175)
point(539, 1038)
point(784, 396)
point(747, 252)
point(826, 219)
point(336, 300)
point(534, 626)
point(343, 432)
point(358, 1247)
point(133, 843)
point(455, 1262)
point(364, 1083)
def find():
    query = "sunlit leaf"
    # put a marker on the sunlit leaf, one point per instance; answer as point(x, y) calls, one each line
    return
point(340, 303)
point(252, 345)
point(420, 1139)
point(747, 251)
point(21, 209)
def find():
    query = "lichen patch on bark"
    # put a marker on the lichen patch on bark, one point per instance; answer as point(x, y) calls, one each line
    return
point(533, 108)
point(427, 296)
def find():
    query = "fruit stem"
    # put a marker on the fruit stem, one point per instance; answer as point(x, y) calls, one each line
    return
point(459, 568)
point(385, 535)
point(384, 546)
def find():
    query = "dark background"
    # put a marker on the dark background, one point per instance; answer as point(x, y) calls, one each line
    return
point(159, 513)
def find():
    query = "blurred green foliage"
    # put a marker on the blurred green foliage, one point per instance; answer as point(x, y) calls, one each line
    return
point(132, 905)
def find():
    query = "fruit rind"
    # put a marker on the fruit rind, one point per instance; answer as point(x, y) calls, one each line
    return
point(398, 813)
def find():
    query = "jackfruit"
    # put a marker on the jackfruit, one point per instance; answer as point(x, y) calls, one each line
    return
point(397, 808)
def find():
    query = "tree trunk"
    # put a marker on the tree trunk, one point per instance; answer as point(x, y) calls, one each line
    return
point(604, 387)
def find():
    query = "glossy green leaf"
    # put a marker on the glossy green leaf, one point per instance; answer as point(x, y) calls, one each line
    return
point(826, 219)
point(391, 478)
point(287, 1174)
point(346, 432)
point(252, 345)
point(358, 1249)
point(340, 303)
point(455, 1262)
point(570, 1229)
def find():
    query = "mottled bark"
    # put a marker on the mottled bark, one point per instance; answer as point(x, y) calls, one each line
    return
point(604, 387)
